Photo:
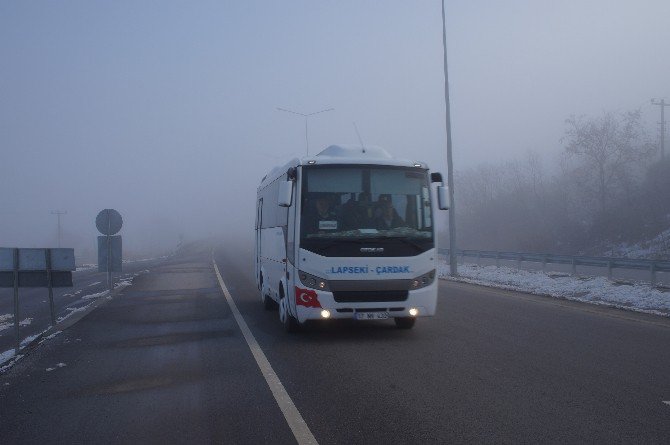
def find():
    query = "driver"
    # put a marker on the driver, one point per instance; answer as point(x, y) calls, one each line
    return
point(322, 217)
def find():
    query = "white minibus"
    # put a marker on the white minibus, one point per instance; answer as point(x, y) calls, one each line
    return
point(348, 233)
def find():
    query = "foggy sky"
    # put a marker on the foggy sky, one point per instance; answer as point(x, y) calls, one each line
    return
point(166, 111)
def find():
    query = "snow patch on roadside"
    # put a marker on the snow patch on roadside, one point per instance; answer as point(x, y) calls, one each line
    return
point(73, 310)
point(4, 356)
point(8, 356)
point(6, 321)
point(595, 290)
point(93, 296)
point(6, 324)
point(30, 338)
point(123, 283)
point(58, 365)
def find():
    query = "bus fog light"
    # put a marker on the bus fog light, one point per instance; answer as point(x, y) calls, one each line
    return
point(325, 313)
point(413, 312)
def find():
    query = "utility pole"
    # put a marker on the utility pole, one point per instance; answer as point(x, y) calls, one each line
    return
point(453, 262)
point(58, 213)
point(662, 104)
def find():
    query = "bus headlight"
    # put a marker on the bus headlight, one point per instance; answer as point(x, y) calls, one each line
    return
point(313, 281)
point(413, 312)
point(423, 281)
point(325, 313)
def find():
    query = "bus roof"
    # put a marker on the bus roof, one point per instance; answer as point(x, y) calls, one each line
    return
point(343, 154)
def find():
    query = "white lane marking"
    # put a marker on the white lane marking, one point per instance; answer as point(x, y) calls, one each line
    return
point(295, 421)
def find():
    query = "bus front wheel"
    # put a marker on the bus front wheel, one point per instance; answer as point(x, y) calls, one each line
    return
point(268, 303)
point(290, 323)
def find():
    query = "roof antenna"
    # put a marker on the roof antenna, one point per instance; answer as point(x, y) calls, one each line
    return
point(359, 137)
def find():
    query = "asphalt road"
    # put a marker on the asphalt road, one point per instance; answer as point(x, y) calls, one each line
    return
point(34, 311)
point(165, 361)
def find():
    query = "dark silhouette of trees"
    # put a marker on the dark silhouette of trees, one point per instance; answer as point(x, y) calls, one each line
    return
point(604, 189)
point(608, 149)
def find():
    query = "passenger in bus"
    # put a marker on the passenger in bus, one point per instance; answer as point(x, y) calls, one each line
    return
point(388, 217)
point(321, 218)
point(378, 207)
point(357, 214)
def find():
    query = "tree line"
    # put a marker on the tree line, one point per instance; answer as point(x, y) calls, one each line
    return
point(607, 186)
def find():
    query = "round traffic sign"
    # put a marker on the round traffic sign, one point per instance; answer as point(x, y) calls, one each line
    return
point(108, 222)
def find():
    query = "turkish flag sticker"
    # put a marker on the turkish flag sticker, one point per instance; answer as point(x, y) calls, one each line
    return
point(306, 297)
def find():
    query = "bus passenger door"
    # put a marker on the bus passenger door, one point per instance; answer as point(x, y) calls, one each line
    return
point(259, 225)
point(291, 269)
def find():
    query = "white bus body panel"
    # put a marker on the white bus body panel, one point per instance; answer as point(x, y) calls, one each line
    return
point(272, 260)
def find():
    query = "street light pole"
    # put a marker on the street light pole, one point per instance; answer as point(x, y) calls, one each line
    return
point(305, 116)
point(453, 266)
point(662, 104)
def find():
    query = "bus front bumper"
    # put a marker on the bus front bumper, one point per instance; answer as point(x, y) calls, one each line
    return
point(419, 303)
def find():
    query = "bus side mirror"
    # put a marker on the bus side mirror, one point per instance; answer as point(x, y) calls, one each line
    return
point(442, 198)
point(436, 177)
point(285, 193)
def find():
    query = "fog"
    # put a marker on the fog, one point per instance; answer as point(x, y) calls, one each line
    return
point(167, 111)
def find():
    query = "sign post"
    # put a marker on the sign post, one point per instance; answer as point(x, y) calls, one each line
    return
point(35, 268)
point(47, 257)
point(109, 222)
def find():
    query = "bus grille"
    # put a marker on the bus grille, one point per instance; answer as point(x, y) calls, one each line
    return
point(353, 296)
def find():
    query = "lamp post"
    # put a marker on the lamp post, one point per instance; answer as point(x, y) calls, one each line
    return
point(305, 116)
point(453, 265)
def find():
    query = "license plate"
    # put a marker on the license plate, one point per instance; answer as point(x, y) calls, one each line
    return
point(372, 315)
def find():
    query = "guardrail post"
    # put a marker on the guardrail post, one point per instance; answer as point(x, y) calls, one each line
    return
point(652, 269)
point(16, 302)
point(609, 270)
point(574, 266)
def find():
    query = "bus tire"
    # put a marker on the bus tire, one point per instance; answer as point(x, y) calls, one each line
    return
point(269, 304)
point(404, 322)
point(290, 323)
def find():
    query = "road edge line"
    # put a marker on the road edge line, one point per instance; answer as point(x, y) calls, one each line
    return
point(298, 426)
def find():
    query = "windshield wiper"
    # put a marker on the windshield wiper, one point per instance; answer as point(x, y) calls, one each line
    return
point(405, 240)
point(326, 246)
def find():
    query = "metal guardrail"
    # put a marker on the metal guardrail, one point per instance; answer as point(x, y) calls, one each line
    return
point(652, 266)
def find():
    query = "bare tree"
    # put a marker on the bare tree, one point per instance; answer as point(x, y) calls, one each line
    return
point(609, 149)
